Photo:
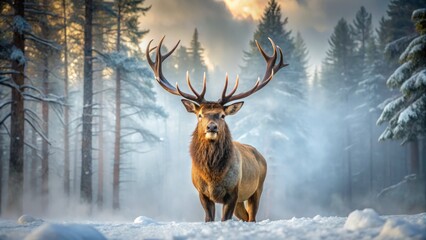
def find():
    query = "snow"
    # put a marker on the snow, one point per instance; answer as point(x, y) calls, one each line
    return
point(419, 14)
point(415, 48)
point(25, 219)
point(401, 74)
point(360, 219)
point(401, 229)
point(17, 55)
point(145, 220)
point(360, 224)
point(21, 25)
point(391, 107)
point(50, 231)
point(406, 115)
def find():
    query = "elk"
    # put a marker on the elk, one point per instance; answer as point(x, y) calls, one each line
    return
point(223, 171)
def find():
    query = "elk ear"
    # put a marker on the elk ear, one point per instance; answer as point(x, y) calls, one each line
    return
point(190, 106)
point(233, 108)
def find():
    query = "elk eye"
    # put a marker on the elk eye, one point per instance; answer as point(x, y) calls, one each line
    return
point(222, 116)
point(200, 116)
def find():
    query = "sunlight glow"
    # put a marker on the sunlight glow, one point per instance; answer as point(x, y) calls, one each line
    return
point(243, 9)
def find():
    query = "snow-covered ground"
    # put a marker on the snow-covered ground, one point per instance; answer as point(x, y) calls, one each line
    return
point(360, 224)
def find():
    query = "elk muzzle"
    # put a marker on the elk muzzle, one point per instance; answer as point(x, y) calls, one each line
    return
point(211, 131)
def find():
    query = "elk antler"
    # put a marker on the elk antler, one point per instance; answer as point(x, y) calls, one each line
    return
point(271, 69)
point(157, 68)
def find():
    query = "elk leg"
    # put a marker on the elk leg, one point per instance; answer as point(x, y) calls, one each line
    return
point(241, 212)
point(253, 205)
point(230, 200)
point(208, 206)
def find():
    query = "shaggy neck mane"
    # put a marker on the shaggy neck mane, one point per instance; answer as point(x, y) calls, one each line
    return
point(211, 156)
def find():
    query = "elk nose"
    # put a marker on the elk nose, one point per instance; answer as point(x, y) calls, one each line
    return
point(212, 127)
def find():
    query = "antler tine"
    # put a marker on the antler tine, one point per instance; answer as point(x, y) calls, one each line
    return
point(225, 97)
point(148, 57)
point(237, 81)
point(164, 83)
point(281, 63)
point(203, 91)
point(271, 69)
point(188, 81)
point(225, 87)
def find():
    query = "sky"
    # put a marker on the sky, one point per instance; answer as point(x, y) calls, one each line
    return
point(226, 26)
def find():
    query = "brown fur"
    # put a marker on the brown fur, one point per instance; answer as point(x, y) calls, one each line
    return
point(224, 171)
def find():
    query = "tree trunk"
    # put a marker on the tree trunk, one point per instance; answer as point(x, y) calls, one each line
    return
point(75, 162)
point(45, 144)
point(86, 147)
point(1, 169)
point(34, 164)
point(349, 159)
point(370, 155)
point(98, 42)
point(116, 171)
point(16, 159)
point(100, 198)
point(66, 108)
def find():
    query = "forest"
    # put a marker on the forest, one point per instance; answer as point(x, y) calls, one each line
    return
point(86, 130)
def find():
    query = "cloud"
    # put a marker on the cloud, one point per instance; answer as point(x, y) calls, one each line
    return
point(226, 26)
point(222, 36)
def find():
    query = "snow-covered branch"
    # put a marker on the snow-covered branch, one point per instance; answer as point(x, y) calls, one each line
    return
point(33, 37)
point(6, 82)
point(38, 131)
point(5, 118)
point(5, 103)
point(32, 114)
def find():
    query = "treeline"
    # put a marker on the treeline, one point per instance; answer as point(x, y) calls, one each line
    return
point(360, 62)
point(78, 106)
point(70, 76)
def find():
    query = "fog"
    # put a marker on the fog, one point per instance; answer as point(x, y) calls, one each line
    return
point(323, 153)
point(304, 179)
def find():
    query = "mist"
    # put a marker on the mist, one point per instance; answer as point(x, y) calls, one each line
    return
point(323, 150)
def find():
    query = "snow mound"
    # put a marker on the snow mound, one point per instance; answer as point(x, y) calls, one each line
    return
point(26, 219)
point(360, 219)
point(401, 229)
point(49, 231)
point(145, 220)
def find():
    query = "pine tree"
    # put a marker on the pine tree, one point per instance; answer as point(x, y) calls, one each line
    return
point(180, 62)
point(16, 158)
point(406, 113)
point(339, 78)
point(338, 72)
point(278, 106)
point(132, 80)
point(271, 26)
point(362, 33)
point(397, 26)
point(196, 60)
point(17, 41)
point(301, 62)
point(87, 117)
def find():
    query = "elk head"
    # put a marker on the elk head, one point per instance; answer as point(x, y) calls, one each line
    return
point(211, 114)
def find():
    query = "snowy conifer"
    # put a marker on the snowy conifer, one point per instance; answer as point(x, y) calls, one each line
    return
point(279, 103)
point(406, 114)
point(196, 63)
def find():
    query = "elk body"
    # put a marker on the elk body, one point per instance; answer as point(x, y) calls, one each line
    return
point(223, 171)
